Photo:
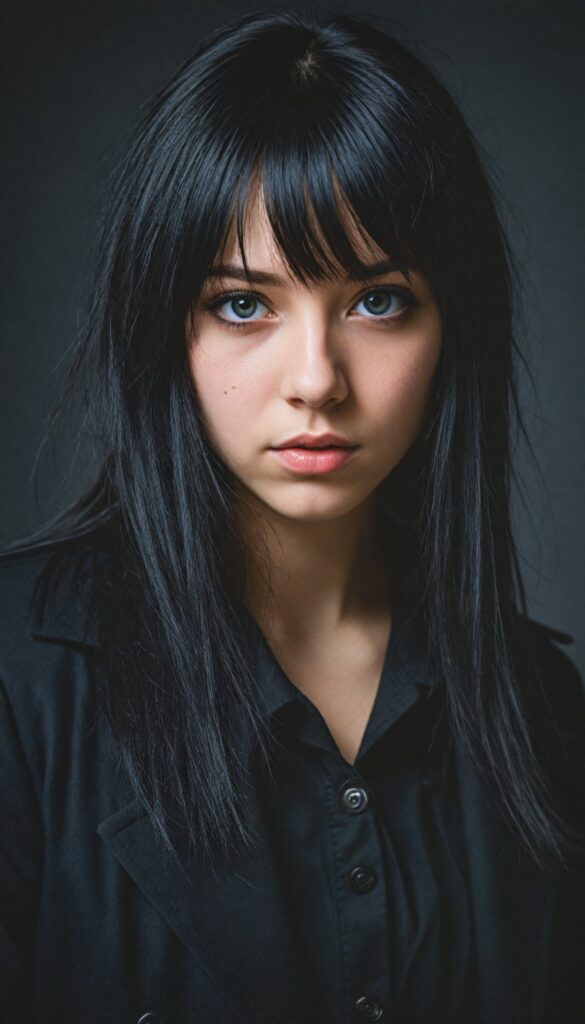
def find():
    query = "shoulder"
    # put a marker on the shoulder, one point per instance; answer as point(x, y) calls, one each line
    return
point(57, 760)
point(18, 575)
point(47, 594)
point(553, 671)
point(49, 630)
point(556, 707)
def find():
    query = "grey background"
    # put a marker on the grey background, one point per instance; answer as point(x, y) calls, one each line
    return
point(77, 74)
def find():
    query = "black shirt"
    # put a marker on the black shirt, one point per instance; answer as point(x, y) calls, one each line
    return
point(372, 855)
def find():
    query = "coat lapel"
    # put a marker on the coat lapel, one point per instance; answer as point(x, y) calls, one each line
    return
point(234, 921)
point(512, 905)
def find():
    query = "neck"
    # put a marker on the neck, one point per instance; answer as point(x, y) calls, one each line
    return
point(307, 576)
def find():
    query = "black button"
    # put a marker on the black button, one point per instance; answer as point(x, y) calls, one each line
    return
point(368, 1008)
point(352, 799)
point(362, 878)
point(150, 1018)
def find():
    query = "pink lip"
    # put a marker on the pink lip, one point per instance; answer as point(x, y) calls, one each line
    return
point(316, 441)
point(303, 460)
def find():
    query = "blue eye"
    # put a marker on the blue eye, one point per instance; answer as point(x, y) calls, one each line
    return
point(241, 303)
point(379, 300)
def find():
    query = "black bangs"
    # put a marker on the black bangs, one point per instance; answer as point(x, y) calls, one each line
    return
point(344, 163)
point(321, 227)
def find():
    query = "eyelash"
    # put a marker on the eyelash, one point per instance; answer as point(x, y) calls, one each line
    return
point(403, 293)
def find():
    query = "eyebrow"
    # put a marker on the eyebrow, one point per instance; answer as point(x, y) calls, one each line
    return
point(222, 270)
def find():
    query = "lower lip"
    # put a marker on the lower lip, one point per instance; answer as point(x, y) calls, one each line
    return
point(305, 460)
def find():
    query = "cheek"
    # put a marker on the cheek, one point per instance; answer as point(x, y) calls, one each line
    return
point(402, 385)
point(229, 397)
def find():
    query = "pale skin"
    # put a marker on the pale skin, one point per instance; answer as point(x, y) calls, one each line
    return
point(316, 358)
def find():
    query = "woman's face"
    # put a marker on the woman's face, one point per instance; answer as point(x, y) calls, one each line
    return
point(343, 356)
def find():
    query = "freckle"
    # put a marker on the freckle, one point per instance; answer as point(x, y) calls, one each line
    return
point(233, 387)
point(225, 392)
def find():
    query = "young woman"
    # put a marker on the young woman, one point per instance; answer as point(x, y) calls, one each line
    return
point(279, 740)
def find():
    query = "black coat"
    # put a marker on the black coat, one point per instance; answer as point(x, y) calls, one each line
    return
point(97, 927)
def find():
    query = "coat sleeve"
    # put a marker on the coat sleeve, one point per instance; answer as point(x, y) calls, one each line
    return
point(20, 870)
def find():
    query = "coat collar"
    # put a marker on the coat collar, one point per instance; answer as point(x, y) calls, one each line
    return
point(62, 604)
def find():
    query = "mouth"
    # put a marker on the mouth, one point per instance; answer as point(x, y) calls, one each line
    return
point(311, 460)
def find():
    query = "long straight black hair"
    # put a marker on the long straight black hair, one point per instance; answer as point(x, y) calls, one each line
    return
point(317, 108)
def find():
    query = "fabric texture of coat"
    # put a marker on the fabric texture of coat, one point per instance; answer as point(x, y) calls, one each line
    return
point(97, 926)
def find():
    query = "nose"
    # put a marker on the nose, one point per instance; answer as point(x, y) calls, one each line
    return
point(315, 372)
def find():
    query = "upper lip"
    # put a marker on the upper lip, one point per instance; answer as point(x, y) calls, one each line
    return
point(316, 441)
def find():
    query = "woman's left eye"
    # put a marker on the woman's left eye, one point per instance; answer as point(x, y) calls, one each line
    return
point(378, 302)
